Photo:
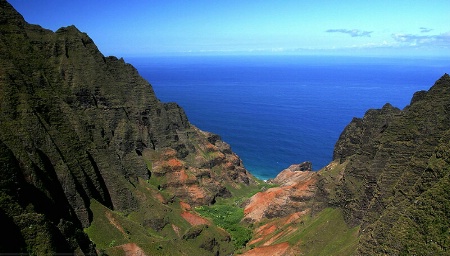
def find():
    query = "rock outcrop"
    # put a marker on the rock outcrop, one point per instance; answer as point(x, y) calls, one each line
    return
point(76, 126)
point(293, 193)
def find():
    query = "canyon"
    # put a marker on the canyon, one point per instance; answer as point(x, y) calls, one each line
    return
point(92, 163)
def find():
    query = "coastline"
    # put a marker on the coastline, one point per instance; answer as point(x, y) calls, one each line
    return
point(278, 110)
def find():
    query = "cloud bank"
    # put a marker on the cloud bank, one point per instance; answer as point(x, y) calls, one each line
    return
point(351, 32)
point(422, 40)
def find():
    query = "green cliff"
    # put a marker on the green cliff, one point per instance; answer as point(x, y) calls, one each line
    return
point(78, 128)
point(395, 183)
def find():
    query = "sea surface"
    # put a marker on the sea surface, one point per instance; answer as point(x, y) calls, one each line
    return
point(275, 111)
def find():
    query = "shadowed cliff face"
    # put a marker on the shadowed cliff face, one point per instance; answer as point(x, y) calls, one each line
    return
point(76, 126)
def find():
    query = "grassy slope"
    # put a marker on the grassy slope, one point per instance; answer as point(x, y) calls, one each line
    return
point(166, 234)
point(325, 233)
point(170, 233)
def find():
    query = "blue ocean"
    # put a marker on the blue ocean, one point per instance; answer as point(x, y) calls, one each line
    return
point(275, 111)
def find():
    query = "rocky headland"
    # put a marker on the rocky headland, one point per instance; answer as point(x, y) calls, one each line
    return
point(91, 162)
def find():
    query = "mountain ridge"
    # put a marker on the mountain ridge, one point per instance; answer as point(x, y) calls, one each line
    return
point(79, 126)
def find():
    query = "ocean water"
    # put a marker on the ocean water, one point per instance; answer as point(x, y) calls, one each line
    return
point(275, 111)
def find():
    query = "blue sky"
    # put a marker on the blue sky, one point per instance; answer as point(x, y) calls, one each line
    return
point(346, 27)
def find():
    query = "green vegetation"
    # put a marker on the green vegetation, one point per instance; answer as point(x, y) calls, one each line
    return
point(110, 229)
point(156, 228)
point(323, 234)
point(244, 192)
point(328, 234)
point(228, 213)
point(424, 228)
point(228, 217)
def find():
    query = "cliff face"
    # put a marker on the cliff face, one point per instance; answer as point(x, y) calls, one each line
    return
point(76, 126)
point(396, 175)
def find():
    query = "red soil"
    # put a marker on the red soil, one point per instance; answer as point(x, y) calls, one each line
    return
point(262, 232)
point(300, 184)
point(175, 164)
point(185, 206)
point(160, 198)
point(132, 249)
point(196, 193)
point(193, 219)
point(114, 222)
point(271, 250)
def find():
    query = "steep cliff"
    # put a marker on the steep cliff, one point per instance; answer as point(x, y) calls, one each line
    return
point(78, 127)
point(395, 183)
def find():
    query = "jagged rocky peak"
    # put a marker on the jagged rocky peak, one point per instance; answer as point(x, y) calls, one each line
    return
point(356, 134)
point(437, 88)
point(9, 16)
point(302, 167)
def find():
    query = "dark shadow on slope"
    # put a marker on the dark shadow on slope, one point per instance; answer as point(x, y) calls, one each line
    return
point(13, 242)
point(49, 198)
point(106, 200)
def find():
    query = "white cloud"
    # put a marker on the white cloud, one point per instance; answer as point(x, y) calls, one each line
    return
point(423, 40)
point(351, 32)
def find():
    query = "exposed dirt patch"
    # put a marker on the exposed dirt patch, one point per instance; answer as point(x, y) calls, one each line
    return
point(193, 219)
point(281, 234)
point(270, 232)
point(196, 194)
point(175, 164)
point(294, 217)
point(114, 222)
point(271, 250)
point(176, 229)
point(260, 201)
point(160, 198)
point(182, 176)
point(132, 249)
point(262, 232)
point(296, 187)
point(185, 206)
